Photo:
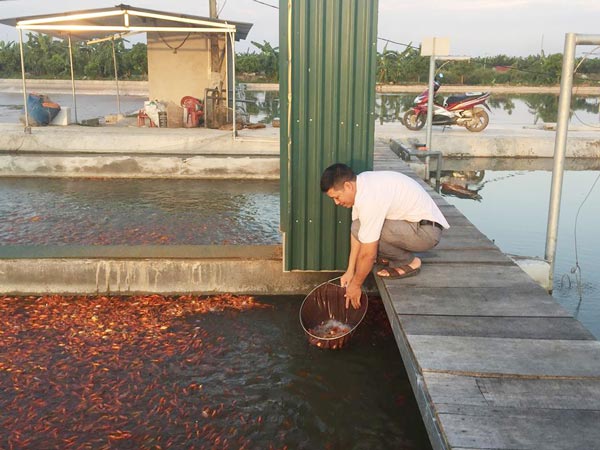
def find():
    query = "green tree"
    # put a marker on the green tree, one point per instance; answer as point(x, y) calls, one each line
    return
point(268, 60)
point(10, 61)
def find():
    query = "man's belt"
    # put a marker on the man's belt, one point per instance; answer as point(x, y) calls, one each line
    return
point(432, 223)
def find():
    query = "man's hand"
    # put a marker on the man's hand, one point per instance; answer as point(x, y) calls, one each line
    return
point(353, 294)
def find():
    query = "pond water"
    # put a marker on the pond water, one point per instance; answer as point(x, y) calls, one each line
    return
point(513, 211)
point(217, 373)
point(135, 212)
point(88, 106)
point(507, 109)
point(263, 106)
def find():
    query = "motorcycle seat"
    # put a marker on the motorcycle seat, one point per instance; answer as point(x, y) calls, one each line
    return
point(462, 97)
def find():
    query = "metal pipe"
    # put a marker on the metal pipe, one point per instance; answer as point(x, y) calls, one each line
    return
point(232, 38)
point(587, 39)
point(226, 76)
point(27, 127)
point(118, 28)
point(116, 77)
point(430, 98)
point(562, 125)
point(73, 79)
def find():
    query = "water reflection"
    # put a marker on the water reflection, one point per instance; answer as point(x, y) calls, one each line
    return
point(263, 106)
point(544, 107)
point(260, 106)
point(466, 184)
point(391, 108)
point(524, 109)
point(513, 211)
point(465, 178)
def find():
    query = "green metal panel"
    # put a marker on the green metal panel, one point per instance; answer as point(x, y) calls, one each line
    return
point(327, 51)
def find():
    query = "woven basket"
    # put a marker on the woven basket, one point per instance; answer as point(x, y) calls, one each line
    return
point(326, 302)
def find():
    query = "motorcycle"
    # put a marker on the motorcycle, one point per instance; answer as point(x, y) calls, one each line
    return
point(463, 110)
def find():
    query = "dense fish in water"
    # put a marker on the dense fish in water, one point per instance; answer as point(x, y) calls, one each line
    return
point(330, 329)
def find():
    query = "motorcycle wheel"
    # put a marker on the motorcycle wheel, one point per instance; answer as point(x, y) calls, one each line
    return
point(414, 121)
point(479, 121)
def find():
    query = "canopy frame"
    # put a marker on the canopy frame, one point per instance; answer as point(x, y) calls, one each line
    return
point(59, 25)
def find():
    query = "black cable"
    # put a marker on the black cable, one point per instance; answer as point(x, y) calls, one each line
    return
point(577, 268)
point(173, 48)
point(398, 43)
point(221, 10)
point(266, 4)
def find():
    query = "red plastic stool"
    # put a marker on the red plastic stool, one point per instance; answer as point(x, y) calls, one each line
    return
point(142, 116)
point(194, 111)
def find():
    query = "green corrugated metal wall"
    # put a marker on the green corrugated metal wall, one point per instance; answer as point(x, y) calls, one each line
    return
point(327, 60)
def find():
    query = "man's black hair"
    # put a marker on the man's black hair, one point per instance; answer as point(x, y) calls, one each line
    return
point(335, 176)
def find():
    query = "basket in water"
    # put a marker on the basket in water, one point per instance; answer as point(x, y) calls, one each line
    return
point(326, 320)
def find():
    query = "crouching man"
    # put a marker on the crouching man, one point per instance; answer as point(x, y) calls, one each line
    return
point(392, 217)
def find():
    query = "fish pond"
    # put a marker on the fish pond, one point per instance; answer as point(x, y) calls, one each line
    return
point(138, 212)
point(510, 207)
point(222, 372)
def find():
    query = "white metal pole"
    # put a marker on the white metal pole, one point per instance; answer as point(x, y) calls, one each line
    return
point(232, 38)
point(430, 99)
point(560, 143)
point(27, 127)
point(116, 76)
point(227, 75)
point(73, 79)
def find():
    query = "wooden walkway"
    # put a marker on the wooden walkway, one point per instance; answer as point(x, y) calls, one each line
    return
point(494, 361)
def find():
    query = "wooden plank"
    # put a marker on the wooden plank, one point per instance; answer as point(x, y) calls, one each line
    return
point(489, 255)
point(532, 393)
point(487, 428)
point(450, 210)
point(455, 221)
point(564, 328)
point(465, 275)
point(466, 242)
point(499, 301)
point(525, 357)
point(447, 389)
point(463, 231)
point(453, 389)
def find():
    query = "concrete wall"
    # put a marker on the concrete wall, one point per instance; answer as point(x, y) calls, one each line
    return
point(133, 166)
point(173, 74)
point(126, 270)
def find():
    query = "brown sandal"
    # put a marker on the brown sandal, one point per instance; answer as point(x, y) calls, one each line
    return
point(392, 272)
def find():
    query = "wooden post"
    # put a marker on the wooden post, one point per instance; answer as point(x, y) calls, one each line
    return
point(212, 6)
point(215, 60)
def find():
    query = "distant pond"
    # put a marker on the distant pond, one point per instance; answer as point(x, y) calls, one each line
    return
point(263, 106)
point(517, 109)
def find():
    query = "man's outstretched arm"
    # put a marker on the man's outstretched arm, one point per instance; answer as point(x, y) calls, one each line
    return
point(354, 248)
point(364, 263)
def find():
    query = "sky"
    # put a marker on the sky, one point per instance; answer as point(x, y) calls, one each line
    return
point(474, 27)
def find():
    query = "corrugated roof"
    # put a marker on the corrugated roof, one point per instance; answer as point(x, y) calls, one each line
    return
point(121, 19)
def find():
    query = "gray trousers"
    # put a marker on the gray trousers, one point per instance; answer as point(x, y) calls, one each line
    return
point(399, 239)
